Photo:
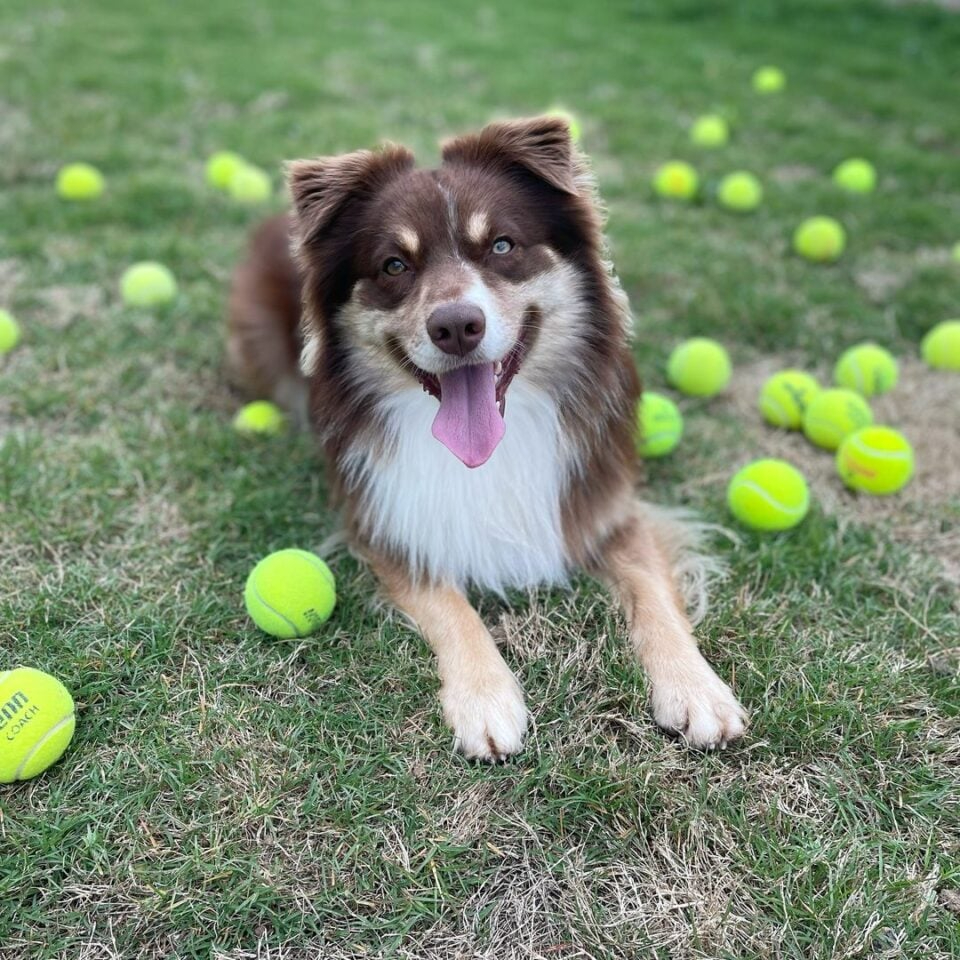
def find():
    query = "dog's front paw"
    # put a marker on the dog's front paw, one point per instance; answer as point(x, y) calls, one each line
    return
point(487, 714)
point(690, 699)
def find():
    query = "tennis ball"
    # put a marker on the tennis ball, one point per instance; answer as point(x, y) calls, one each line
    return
point(866, 368)
point(710, 131)
point(740, 191)
point(659, 425)
point(820, 239)
point(785, 396)
point(261, 416)
point(9, 332)
point(699, 367)
point(290, 593)
point(855, 175)
point(875, 460)
point(36, 722)
point(79, 181)
point(834, 414)
point(572, 122)
point(677, 180)
point(250, 184)
point(221, 167)
point(940, 346)
point(147, 284)
point(769, 80)
point(768, 495)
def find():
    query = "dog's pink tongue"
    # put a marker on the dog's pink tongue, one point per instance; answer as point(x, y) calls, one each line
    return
point(468, 422)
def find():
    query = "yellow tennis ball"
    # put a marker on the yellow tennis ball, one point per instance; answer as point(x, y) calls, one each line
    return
point(9, 332)
point(676, 179)
point(36, 722)
point(221, 166)
point(866, 368)
point(821, 239)
point(699, 367)
point(261, 416)
point(875, 460)
point(572, 122)
point(710, 131)
point(290, 593)
point(740, 191)
point(833, 415)
point(768, 495)
point(147, 284)
point(769, 80)
point(940, 346)
point(855, 175)
point(785, 396)
point(79, 181)
point(249, 184)
point(659, 425)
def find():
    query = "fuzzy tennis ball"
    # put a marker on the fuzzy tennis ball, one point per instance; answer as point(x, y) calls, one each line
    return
point(940, 346)
point(855, 175)
point(785, 396)
point(147, 284)
point(290, 593)
point(9, 332)
point(221, 166)
point(659, 425)
point(833, 415)
point(769, 80)
point(676, 179)
point(866, 368)
point(250, 184)
point(36, 722)
point(261, 416)
point(710, 131)
point(820, 239)
point(572, 122)
point(699, 367)
point(740, 191)
point(768, 495)
point(79, 181)
point(875, 460)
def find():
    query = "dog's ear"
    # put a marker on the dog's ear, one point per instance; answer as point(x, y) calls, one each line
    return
point(541, 145)
point(323, 187)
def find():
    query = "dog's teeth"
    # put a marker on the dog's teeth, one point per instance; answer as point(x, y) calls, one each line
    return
point(498, 367)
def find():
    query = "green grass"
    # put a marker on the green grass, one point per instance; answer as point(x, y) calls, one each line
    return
point(232, 796)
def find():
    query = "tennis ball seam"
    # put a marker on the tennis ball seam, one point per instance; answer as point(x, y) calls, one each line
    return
point(40, 743)
point(286, 619)
point(779, 411)
point(770, 501)
point(320, 566)
point(857, 442)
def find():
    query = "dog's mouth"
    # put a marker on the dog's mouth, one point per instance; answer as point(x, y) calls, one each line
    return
point(472, 399)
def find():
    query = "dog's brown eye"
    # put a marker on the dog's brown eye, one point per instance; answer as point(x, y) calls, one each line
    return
point(394, 267)
point(502, 245)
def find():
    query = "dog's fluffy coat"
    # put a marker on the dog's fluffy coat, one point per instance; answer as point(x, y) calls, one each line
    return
point(508, 230)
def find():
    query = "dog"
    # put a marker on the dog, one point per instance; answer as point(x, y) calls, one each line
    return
point(463, 355)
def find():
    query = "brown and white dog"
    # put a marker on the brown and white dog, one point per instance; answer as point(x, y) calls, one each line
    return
point(465, 346)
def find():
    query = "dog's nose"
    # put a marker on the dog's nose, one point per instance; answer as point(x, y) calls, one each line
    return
point(457, 328)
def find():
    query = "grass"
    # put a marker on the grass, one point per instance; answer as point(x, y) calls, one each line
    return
point(229, 796)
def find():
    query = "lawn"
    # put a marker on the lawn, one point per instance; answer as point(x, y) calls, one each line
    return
point(230, 796)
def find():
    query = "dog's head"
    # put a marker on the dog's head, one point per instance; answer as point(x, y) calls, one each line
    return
point(460, 278)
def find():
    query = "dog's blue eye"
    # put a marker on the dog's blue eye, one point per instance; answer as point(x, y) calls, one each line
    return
point(394, 267)
point(502, 245)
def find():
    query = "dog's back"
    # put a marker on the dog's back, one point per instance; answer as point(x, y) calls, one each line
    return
point(263, 320)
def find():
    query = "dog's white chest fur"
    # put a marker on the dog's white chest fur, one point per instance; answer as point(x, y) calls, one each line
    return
point(495, 526)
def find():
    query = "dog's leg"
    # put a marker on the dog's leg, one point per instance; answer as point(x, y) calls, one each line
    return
point(482, 701)
point(687, 697)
